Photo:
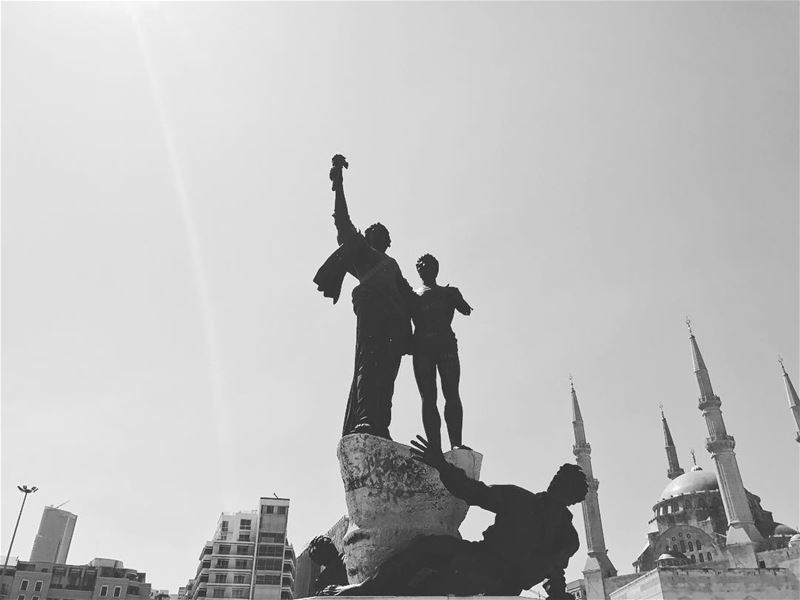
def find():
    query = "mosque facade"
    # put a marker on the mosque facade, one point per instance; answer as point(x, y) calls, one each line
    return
point(709, 537)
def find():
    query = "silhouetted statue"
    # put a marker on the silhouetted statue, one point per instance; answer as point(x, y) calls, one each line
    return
point(531, 541)
point(435, 348)
point(380, 301)
point(323, 552)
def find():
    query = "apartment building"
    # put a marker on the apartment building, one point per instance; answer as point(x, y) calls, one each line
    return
point(249, 556)
point(101, 579)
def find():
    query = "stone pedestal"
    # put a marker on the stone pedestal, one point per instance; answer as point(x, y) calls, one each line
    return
point(392, 498)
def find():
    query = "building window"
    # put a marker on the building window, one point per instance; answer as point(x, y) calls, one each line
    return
point(269, 564)
point(698, 545)
point(117, 591)
point(222, 563)
point(267, 510)
point(243, 550)
point(241, 564)
point(225, 549)
point(244, 537)
point(245, 524)
point(224, 526)
point(691, 547)
point(104, 591)
point(286, 582)
point(238, 579)
point(37, 587)
point(700, 556)
point(23, 586)
point(219, 593)
point(221, 578)
point(237, 593)
point(281, 510)
point(133, 590)
point(683, 546)
point(708, 556)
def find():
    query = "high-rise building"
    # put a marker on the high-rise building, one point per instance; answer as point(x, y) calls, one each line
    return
point(54, 537)
point(248, 557)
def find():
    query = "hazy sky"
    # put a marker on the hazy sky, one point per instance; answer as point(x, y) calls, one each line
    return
point(587, 174)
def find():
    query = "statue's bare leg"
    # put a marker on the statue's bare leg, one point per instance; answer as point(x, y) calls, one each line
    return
point(450, 373)
point(425, 374)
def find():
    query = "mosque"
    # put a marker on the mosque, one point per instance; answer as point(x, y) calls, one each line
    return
point(709, 537)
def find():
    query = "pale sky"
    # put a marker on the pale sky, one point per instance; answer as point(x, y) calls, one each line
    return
point(587, 175)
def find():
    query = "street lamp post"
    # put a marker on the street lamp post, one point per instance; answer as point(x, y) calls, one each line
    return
point(25, 491)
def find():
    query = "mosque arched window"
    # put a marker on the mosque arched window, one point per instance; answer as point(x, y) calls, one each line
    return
point(675, 548)
point(692, 558)
point(691, 547)
point(683, 546)
point(708, 556)
point(701, 557)
point(698, 545)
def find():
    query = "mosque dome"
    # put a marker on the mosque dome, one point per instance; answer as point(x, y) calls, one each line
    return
point(696, 480)
point(781, 529)
point(794, 540)
point(672, 559)
point(666, 556)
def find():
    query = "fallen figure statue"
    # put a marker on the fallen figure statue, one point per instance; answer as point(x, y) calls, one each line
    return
point(531, 541)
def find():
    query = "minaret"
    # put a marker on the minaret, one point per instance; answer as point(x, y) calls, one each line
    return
point(673, 467)
point(742, 536)
point(598, 565)
point(794, 403)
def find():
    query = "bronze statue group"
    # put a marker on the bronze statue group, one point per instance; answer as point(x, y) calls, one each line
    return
point(532, 537)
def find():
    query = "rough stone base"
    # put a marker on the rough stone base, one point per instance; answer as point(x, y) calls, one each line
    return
point(392, 498)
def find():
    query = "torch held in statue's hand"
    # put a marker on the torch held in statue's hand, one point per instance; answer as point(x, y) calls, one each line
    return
point(338, 162)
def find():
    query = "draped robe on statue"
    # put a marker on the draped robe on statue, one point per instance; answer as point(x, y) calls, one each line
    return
point(383, 325)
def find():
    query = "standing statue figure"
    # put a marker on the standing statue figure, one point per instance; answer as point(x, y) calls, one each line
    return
point(531, 541)
point(380, 302)
point(436, 348)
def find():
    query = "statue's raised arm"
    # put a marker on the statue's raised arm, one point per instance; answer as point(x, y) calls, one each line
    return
point(341, 216)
